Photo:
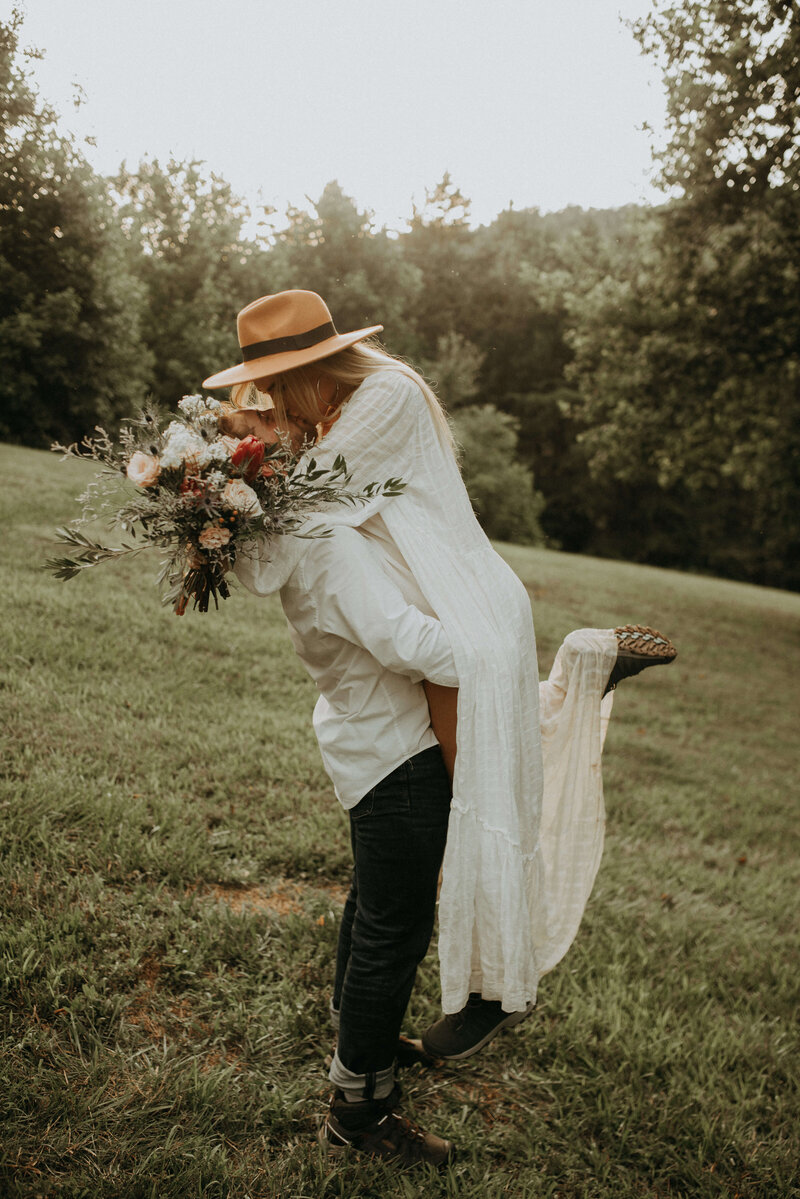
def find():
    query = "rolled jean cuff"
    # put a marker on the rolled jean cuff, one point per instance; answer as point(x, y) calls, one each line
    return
point(355, 1086)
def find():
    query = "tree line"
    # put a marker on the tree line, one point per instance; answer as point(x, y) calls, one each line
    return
point(623, 382)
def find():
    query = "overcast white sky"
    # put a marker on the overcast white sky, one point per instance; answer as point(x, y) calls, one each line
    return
point(539, 102)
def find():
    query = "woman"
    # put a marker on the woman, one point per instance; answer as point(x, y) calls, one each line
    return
point(526, 822)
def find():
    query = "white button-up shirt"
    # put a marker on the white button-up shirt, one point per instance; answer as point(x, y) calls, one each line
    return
point(367, 650)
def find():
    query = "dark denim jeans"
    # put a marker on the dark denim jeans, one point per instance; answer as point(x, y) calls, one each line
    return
point(398, 833)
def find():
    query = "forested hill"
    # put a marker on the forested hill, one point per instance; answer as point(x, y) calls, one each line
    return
point(624, 383)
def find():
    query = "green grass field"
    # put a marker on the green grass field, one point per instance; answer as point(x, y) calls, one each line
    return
point(174, 864)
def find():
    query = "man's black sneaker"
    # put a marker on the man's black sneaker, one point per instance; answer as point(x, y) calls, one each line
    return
point(410, 1052)
point(637, 648)
point(463, 1033)
point(374, 1127)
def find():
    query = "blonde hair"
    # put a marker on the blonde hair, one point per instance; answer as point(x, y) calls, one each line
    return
point(296, 390)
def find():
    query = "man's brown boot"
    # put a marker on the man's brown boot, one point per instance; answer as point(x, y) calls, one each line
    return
point(374, 1127)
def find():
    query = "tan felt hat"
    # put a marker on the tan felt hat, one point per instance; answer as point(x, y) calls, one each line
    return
point(280, 332)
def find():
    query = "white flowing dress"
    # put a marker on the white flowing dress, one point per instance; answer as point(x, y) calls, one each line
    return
point(526, 827)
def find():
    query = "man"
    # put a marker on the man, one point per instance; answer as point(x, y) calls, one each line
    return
point(368, 652)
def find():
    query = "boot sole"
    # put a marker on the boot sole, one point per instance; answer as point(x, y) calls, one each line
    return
point(637, 643)
point(511, 1021)
point(642, 642)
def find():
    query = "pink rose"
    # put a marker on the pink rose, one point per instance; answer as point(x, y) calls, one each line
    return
point(239, 496)
point(143, 469)
point(213, 537)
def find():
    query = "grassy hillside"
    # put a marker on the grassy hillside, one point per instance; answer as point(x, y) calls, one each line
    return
point(174, 863)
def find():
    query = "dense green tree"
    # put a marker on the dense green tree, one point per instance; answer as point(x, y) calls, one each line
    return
point(336, 251)
point(531, 266)
point(438, 244)
point(455, 369)
point(688, 356)
point(732, 75)
point(577, 507)
point(183, 227)
point(500, 487)
point(522, 339)
point(70, 351)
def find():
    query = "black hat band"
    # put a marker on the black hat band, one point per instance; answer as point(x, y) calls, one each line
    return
point(280, 345)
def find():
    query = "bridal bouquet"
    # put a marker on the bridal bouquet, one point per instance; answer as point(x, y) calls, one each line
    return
point(197, 495)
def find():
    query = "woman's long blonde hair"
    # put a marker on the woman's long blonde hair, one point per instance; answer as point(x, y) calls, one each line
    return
point(296, 390)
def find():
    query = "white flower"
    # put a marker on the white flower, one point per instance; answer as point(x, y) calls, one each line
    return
point(207, 423)
point(182, 444)
point(197, 406)
point(216, 451)
point(238, 495)
point(143, 469)
point(192, 406)
point(216, 480)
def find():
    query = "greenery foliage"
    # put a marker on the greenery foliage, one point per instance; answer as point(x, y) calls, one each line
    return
point(360, 271)
point(70, 310)
point(650, 357)
point(182, 231)
point(500, 488)
point(687, 353)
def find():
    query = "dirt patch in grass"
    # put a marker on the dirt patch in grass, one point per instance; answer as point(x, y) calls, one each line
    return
point(281, 897)
point(140, 1011)
point(138, 1015)
point(219, 1058)
point(160, 1019)
point(149, 970)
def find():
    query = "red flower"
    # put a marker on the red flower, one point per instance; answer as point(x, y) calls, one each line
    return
point(249, 455)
